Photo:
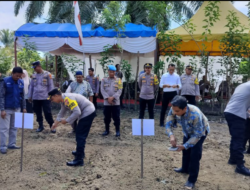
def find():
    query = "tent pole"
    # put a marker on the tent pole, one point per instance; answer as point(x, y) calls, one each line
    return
point(56, 66)
point(15, 53)
point(90, 62)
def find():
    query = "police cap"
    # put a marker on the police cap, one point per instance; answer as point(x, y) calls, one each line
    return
point(35, 64)
point(53, 92)
point(189, 67)
point(148, 65)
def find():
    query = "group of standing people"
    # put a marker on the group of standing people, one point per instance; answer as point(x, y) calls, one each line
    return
point(80, 98)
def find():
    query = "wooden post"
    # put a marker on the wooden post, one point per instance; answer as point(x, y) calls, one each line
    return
point(15, 53)
point(90, 62)
point(156, 52)
point(142, 148)
point(21, 164)
point(56, 65)
point(46, 63)
point(136, 76)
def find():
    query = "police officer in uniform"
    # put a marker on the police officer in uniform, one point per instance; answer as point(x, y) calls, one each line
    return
point(94, 83)
point(148, 83)
point(190, 86)
point(83, 110)
point(80, 87)
point(111, 89)
point(40, 85)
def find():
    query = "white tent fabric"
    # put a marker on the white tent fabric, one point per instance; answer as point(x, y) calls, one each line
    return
point(92, 44)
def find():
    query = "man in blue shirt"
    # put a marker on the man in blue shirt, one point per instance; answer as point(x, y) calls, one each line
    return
point(11, 101)
point(195, 128)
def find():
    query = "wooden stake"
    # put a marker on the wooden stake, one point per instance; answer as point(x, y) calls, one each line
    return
point(21, 164)
point(142, 148)
point(136, 76)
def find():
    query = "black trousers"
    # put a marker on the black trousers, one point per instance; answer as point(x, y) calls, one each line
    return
point(167, 97)
point(82, 132)
point(143, 104)
point(114, 112)
point(191, 159)
point(28, 107)
point(237, 129)
point(247, 134)
point(190, 99)
point(95, 101)
point(38, 106)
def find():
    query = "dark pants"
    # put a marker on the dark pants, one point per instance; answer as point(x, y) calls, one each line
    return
point(82, 132)
point(237, 129)
point(167, 97)
point(191, 159)
point(95, 101)
point(38, 106)
point(114, 112)
point(190, 99)
point(28, 107)
point(143, 104)
point(247, 134)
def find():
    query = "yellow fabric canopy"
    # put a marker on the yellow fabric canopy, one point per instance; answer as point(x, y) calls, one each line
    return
point(189, 47)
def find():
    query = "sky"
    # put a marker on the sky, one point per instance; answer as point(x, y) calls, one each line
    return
point(10, 21)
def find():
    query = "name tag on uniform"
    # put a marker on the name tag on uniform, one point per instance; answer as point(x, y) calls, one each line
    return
point(106, 85)
point(144, 77)
point(151, 77)
point(143, 80)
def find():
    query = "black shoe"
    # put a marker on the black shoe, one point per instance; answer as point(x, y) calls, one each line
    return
point(241, 169)
point(3, 151)
point(117, 134)
point(189, 185)
point(105, 133)
point(14, 147)
point(180, 170)
point(53, 131)
point(39, 129)
point(75, 163)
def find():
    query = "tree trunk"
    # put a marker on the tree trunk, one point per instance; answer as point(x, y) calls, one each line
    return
point(206, 68)
point(136, 76)
point(222, 101)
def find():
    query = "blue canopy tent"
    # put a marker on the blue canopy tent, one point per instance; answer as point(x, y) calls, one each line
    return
point(53, 37)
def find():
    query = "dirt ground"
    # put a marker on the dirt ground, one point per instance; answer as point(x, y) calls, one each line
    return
point(114, 164)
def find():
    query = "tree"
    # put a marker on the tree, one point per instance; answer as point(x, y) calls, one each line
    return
point(7, 37)
point(60, 11)
point(6, 61)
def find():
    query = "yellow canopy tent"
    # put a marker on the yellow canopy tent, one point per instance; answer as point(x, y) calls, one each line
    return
point(189, 46)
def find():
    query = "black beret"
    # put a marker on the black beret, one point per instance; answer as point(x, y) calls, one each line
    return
point(53, 92)
point(148, 65)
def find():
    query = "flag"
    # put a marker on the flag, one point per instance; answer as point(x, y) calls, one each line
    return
point(78, 21)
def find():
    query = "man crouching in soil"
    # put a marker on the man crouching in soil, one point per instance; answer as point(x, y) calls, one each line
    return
point(195, 128)
point(83, 110)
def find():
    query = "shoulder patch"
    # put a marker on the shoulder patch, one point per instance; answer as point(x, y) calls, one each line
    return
point(70, 103)
point(50, 76)
point(196, 81)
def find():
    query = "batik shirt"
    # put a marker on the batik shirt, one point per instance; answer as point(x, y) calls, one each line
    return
point(194, 124)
